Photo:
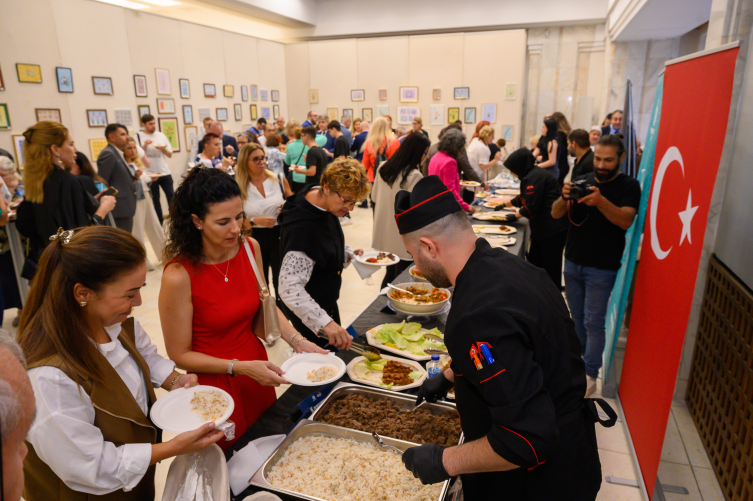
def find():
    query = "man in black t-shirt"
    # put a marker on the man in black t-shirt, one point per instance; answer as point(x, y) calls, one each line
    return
point(579, 146)
point(342, 146)
point(316, 159)
point(595, 241)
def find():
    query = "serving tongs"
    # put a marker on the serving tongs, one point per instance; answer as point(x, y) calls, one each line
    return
point(369, 352)
point(432, 337)
point(434, 351)
point(381, 443)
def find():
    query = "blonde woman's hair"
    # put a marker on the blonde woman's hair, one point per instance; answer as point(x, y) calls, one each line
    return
point(136, 160)
point(485, 131)
point(420, 122)
point(38, 161)
point(298, 132)
point(242, 171)
point(347, 176)
point(292, 124)
point(356, 121)
point(379, 131)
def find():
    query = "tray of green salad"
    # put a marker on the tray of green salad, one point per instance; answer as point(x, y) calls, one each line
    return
point(405, 339)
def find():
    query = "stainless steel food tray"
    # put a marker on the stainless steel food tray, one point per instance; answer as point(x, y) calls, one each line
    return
point(307, 428)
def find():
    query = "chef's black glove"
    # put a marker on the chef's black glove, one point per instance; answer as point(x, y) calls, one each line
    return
point(500, 207)
point(511, 218)
point(425, 462)
point(433, 388)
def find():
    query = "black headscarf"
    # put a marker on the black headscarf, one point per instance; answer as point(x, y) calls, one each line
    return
point(520, 162)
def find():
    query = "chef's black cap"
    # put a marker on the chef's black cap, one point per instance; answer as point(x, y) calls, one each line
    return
point(429, 201)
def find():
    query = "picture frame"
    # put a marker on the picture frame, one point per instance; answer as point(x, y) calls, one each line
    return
point(406, 114)
point(313, 96)
point(203, 113)
point(254, 92)
point(275, 111)
point(275, 95)
point(163, 81)
point(18, 149)
point(238, 112)
point(461, 93)
point(221, 114)
point(124, 117)
point(508, 131)
point(254, 112)
point(436, 114)
point(185, 88)
point(469, 115)
point(143, 109)
point(165, 105)
point(382, 94)
point(64, 78)
point(102, 86)
point(510, 91)
point(187, 114)
point(97, 118)
point(367, 114)
point(169, 127)
point(453, 115)
point(263, 95)
point(489, 112)
point(2, 82)
point(95, 147)
point(191, 133)
point(228, 90)
point(139, 85)
point(409, 95)
point(349, 112)
point(436, 94)
point(358, 95)
point(210, 90)
point(246, 127)
point(382, 110)
point(332, 114)
point(244, 92)
point(266, 113)
point(4, 117)
point(29, 73)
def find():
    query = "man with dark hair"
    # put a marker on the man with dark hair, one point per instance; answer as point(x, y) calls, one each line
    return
point(579, 146)
point(158, 150)
point(342, 147)
point(268, 131)
point(615, 126)
point(229, 144)
point(600, 212)
point(112, 167)
point(316, 159)
point(195, 147)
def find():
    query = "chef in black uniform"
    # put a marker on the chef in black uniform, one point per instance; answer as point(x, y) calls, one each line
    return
point(516, 365)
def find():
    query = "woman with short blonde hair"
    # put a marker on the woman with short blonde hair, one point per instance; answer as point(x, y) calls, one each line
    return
point(479, 154)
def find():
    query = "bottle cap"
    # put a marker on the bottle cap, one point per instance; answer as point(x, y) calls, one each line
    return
point(435, 357)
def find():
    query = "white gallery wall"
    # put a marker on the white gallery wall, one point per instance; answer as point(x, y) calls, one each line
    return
point(95, 39)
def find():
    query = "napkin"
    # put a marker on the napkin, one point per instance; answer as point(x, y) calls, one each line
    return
point(246, 461)
point(364, 270)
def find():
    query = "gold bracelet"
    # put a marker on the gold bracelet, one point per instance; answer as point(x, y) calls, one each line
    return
point(175, 379)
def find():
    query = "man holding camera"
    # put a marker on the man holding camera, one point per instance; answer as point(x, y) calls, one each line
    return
point(600, 207)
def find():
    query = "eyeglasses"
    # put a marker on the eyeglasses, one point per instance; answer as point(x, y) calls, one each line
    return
point(346, 203)
point(259, 160)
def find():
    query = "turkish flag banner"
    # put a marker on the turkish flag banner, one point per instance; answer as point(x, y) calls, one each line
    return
point(694, 116)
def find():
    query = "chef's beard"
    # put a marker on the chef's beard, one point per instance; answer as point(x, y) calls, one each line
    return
point(434, 273)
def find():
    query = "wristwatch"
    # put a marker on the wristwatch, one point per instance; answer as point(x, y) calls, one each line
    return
point(230, 367)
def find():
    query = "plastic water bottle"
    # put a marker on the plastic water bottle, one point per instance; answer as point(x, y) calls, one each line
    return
point(434, 367)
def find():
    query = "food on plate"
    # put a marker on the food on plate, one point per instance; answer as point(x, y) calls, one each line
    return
point(483, 194)
point(209, 404)
point(382, 258)
point(419, 295)
point(504, 228)
point(489, 216)
point(321, 374)
point(492, 204)
point(408, 337)
point(419, 426)
point(386, 372)
point(340, 468)
point(414, 271)
point(470, 183)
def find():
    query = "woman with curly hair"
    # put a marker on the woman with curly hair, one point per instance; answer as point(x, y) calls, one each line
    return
point(314, 251)
point(445, 165)
point(209, 297)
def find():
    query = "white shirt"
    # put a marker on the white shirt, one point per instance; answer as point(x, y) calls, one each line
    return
point(64, 435)
point(478, 153)
point(262, 141)
point(258, 205)
point(195, 148)
point(155, 156)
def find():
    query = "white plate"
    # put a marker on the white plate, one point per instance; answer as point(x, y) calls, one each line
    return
point(367, 255)
point(173, 413)
point(508, 191)
point(416, 366)
point(500, 241)
point(470, 184)
point(156, 174)
point(298, 366)
point(372, 340)
point(500, 216)
point(414, 277)
point(493, 229)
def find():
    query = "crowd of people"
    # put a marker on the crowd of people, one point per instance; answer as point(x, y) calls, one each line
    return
point(88, 369)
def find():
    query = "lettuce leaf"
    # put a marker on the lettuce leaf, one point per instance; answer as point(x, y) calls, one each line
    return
point(388, 386)
point(410, 328)
point(436, 332)
point(415, 375)
point(361, 368)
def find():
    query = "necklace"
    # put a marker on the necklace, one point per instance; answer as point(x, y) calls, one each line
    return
point(226, 270)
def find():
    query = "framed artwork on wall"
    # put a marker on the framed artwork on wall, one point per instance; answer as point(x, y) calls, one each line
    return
point(29, 73)
point(409, 95)
point(64, 77)
point(382, 94)
point(436, 94)
point(275, 96)
point(124, 117)
point(204, 113)
point(246, 127)
point(313, 96)
point(187, 114)
point(222, 114)
point(4, 117)
point(264, 95)
point(275, 111)
point(254, 92)
point(244, 92)
point(97, 118)
point(169, 127)
point(266, 113)
point(462, 93)
point(163, 81)
point(254, 113)
point(96, 146)
point(332, 114)
point(143, 110)
point(18, 148)
point(209, 90)
point(2, 82)
point(367, 114)
point(357, 95)
point(406, 114)
point(382, 110)
point(228, 91)
point(348, 111)
point(185, 89)
point(453, 115)
point(510, 91)
point(191, 132)
point(436, 115)
point(470, 115)
point(507, 132)
point(489, 113)
point(139, 85)
point(165, 105)
point(238, 112)
point(102, 86)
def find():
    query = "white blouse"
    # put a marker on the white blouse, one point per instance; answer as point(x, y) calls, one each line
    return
point(64, 435)
point(478, 153)
point(258, 205)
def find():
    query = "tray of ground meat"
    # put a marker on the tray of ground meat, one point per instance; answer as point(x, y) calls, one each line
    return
point(372, 409)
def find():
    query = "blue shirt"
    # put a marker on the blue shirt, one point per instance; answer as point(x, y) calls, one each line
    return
point(358, 144)
point(346, 133)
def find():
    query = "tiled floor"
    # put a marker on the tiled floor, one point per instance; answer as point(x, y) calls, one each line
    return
point(684, 461)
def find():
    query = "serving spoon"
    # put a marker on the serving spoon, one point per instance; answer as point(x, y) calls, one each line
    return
point(399, 289)
point(381, 443)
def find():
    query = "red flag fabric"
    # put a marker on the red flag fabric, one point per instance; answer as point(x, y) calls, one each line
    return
point(694, 115)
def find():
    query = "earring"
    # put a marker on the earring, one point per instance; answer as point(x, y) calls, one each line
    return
point(82, 303)
point(199, 228)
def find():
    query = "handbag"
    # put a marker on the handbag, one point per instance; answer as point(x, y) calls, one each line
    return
point(268, 310)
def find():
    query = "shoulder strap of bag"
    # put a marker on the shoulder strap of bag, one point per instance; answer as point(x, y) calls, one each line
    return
point(138, 137)
point(299, 156)
point(282, 185)
point(263, 291)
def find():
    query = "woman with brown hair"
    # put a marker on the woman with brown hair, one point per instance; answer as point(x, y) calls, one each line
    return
point(563, 130)
point(93, 370)
point(209, 298)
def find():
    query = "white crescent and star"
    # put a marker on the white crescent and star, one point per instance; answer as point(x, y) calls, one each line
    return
point(673, 154)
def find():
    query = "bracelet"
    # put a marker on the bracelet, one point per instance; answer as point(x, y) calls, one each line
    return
point(175, 379)
point(293, 337)
point(299, 342)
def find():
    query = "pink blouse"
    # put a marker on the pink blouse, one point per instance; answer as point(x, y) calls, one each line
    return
point(444, 166)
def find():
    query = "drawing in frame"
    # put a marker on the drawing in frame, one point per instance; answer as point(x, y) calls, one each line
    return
point(489, 112)
point(275, 111)
point(191, 132)
point(469, 115)
point(238, 112)
point(139, 85)
point(382, 110)
point(453, 115)
point(349, 112)
point(185, 88)
point(64, 77)
point(29, 73)
point(406, 114)
point(228, 91)
point(4, 117)
point(382, 94)
point(275, 96)
point(18, 148)
point(169, 127)
point(510, 91)
point(222, 114)
point(254, 92)
point(266, 113)
point(367, 114)
point(165, 105)
point(124, 117)
point(461, 93)
point(263, 95)
point(436, 94)
point(436, 115)
point(97, 118)
point(187, 114)
point(2, 82)
point(507, 132)
point(143, 110)
point(408, 94)
point(96, 146)
point(244, 92)
point(313, 96)
point(254, 112)
point(357, 95)
point(332, 114)
point(102, 86)
point(210, 90)
point(163, 81)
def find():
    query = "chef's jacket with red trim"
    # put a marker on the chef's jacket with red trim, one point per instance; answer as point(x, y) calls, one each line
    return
point(538, 191)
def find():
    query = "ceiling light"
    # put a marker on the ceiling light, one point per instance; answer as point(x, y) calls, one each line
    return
point(126, 4)
point(161, 3)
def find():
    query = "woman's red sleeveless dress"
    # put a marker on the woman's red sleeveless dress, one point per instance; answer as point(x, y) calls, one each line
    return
point(222, 317)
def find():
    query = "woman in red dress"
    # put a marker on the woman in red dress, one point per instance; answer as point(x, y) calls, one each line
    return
point(209, 297)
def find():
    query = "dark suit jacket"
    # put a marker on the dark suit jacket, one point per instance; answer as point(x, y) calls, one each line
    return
point(113, 169)
point(226, 139)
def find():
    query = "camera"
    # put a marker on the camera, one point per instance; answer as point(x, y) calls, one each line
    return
point(579, 189)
